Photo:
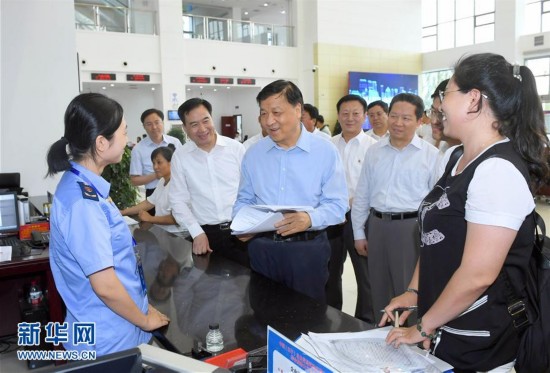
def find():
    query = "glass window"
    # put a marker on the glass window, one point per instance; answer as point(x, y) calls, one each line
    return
point(465, 9)
point(458, 23)
point(545, 22)
point(446, 35)
point(541, 70)
point(429, 44)
point(532, 20)
point(465, 32)
point(543, 85)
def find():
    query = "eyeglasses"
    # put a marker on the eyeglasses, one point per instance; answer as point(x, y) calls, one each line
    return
point(433, 114)
point(442, 94)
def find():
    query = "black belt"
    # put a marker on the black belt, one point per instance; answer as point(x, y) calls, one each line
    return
point(395, 215)
point(301, 236)
point(217, 227)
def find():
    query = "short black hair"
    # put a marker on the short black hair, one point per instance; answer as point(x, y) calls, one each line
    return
point(440, 88)
point(191, 104)
point(165, 151)
point(412, 99)
point(291, 92)
point(311, 110)
point(320, 118)
point(148, 112)
point(380, 103)
point(348, 98)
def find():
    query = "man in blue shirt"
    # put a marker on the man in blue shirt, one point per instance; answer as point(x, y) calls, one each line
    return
point(291, 166)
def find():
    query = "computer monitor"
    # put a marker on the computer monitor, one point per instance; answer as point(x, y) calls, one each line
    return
point(10, 181)
point(123, 361)
point(9, 214)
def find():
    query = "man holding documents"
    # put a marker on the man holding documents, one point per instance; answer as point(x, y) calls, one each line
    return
point(300, 171)
point(205, 179)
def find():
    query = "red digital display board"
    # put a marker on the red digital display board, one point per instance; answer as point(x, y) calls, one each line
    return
point(223, 80)
point(200, 79)
point(246, 81)
point(137, 77)
point(103, 76)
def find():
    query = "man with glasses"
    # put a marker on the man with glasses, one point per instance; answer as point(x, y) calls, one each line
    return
point(141, 166)
point(397, 173)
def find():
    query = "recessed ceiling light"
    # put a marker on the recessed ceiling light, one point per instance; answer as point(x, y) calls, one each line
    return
point(245, 13)
point(200, 87)
point(215, 90)
point(103, 87)
point(188, 89)
point(266, 4)
point(283, 11)
point(112, 84)
point(228, 87)
point(152, 88)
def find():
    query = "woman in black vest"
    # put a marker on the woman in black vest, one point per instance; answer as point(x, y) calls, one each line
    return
point(477, 221)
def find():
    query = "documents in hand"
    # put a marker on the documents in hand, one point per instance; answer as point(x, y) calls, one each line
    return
point(368, 352)
point(261, 218)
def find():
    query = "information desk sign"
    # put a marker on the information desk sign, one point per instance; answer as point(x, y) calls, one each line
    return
point(103, 76)
point(283, 355)
point(137, 77)
point(223, 80)
point(199, 79)
point(246, 81)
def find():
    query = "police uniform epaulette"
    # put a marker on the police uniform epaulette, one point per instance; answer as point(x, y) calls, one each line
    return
point(88, 192)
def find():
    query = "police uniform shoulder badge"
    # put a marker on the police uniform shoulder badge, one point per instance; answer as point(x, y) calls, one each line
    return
point(88, 192)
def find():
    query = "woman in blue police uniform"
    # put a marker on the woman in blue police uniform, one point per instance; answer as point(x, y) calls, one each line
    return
point(91, 248)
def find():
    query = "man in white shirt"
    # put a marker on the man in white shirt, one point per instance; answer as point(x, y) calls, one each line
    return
point(205, 180)
point(141, 166)
point(309, 119)
point(378, 118)
point(397, 174)
point(352, 144)
point(254, 139)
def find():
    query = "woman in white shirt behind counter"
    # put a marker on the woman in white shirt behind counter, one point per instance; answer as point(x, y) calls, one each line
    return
point(161, 158)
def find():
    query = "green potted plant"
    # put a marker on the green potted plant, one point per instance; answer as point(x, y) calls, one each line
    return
point(177, 132)
point(123, 193)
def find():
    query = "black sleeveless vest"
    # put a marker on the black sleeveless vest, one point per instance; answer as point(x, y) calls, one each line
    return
point(482, 337)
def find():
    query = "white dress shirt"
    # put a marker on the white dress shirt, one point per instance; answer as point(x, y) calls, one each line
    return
point(159, 198)
point(140, 161)
point(393, 180)
point(205, 184)
point(375, 136)
point(322, 134)
point(352, 154)
point(253, 140)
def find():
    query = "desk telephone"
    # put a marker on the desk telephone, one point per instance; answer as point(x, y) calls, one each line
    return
point(40, 238)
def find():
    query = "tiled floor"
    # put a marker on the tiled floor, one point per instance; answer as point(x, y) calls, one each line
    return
point(10, 364)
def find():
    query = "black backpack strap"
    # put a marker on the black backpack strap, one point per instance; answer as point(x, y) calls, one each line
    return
point(455, 155)
point(516, 305)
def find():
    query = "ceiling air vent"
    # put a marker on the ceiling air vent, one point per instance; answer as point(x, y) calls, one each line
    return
point(539, 40)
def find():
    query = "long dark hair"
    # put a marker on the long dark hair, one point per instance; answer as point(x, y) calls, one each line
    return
point(88, 116)
point(513, 98)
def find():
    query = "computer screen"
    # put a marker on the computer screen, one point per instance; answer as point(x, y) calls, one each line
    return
point(173, 115)
point(9, 213)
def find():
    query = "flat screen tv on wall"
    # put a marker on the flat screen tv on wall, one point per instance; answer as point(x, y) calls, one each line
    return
point(380, 86)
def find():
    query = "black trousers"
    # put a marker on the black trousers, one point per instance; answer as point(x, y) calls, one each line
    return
point(300, 265)
point(227, 245)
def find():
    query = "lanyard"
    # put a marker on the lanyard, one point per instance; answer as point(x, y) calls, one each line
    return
point(83, 177)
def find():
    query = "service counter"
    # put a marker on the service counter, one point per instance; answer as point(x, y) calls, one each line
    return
point(195, 291)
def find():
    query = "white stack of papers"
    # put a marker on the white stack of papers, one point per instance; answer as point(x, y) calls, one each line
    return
point(368, 352)
point(261, 218)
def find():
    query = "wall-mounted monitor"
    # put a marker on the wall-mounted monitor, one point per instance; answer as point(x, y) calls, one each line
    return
point(173, 115)
point(380, 86)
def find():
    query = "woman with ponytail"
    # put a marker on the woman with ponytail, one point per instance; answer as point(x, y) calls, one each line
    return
point(477, 224)
point(91, 248)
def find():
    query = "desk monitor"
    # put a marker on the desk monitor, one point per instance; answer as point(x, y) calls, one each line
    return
point(10, 181)
point(9, 214)
point(118, 362)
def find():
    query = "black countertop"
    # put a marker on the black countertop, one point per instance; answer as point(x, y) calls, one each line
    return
point(195, 291)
